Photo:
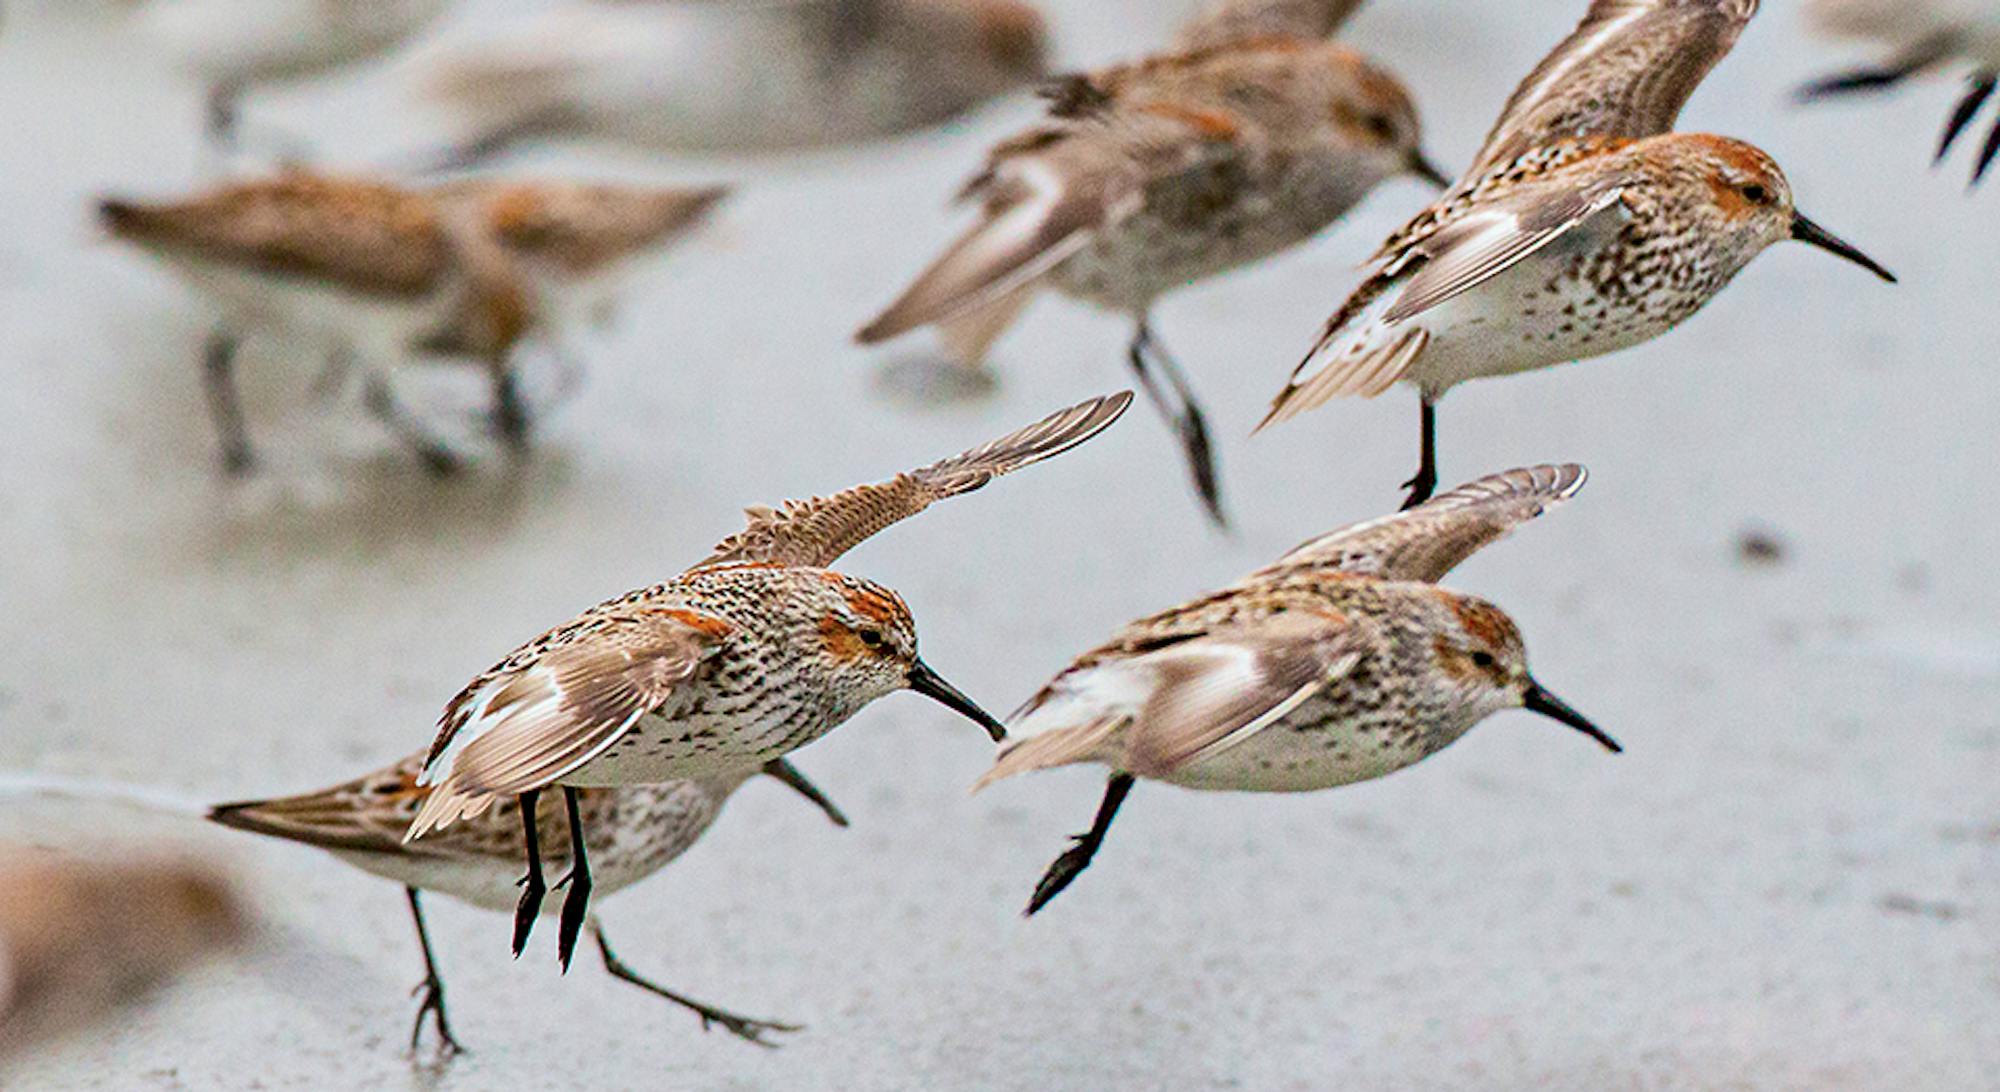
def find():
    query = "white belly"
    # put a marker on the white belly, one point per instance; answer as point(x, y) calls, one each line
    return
point(1305, 753)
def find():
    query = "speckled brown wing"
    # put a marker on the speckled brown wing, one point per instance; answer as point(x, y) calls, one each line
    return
point(815, 532)
point(1486, 242)
point(1214, 692)
point(1625, 71)
point(1223, 21)
point(528, 722)
point(1429, 540)
point(364, 236)
point(371, 813)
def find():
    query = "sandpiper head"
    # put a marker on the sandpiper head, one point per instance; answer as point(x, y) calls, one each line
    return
point(1479, 656)
point(1376, 117)
point(1751, 204)
point(868, 637)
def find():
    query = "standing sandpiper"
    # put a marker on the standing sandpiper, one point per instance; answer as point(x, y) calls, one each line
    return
point(636, 831)
point(372, 272)
point(1583, 226)
point(1340, 662)
point(756, 651)
point(1922, 34)
point(1152, 175)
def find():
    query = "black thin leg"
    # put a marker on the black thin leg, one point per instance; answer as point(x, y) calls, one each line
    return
point(1962, 114)
point(1986, 153)
point(1077, 858)
point(510, 412)
point(1182, 412)
point(437, 457)
point(532, 886)
point(790, 775)
point(219, 379)
point(1425, 483)
point(432, 987)
point(577, 902)
point(221, 117)
point(476, 151)
point(741, 1026)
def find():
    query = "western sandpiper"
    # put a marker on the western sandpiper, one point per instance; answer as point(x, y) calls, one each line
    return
point(1920, 35)
point(232, 45)
point(761, 76)
point(1149, 176)
point(1583, 226)
point(634, 833)
point(756, 651)
point(1342, 661)
point(374, 272)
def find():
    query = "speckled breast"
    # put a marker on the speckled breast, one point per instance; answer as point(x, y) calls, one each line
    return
point(1576, 299)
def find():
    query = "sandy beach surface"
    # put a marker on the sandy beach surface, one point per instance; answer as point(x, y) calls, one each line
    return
point(1791, 879)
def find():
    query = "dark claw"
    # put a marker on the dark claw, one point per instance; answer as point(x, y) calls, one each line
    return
point(1084, 846)
point(1962, 114)
point(748, 1030)
point(433, 1006)
point(440, 462)
point(1987, 152)
point(751, 1031)
point(1201, 461)
point(529, 908)
point(1861, 79)
point(1061, 874)
point(577, 903)
point(510, 412)
point(574, 906)
point(1421, 487)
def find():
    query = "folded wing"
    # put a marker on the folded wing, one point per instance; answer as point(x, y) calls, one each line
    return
point(1481, 245)
point(515, 730)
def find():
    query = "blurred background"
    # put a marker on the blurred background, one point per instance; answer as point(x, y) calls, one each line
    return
point(1777, 591)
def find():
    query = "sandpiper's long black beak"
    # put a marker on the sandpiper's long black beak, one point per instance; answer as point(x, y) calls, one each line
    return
point(1538, 700)
point(932, 685)
point(1422, 167)
point(1806, 231)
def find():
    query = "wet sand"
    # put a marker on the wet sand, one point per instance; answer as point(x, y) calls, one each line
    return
point(1791, 879)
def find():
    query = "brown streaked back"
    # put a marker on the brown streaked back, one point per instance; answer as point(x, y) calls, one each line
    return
point(813, 533)
point(367, 814)
point(582, 227)
point(365, 236)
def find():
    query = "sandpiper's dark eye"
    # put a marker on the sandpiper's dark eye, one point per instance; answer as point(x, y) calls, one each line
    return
point(1482, 658)
point(872, 638)
point(1756, 194)
point(1382, 126)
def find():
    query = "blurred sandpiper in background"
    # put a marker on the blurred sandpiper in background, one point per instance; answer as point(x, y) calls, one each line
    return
point(1778, 595)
